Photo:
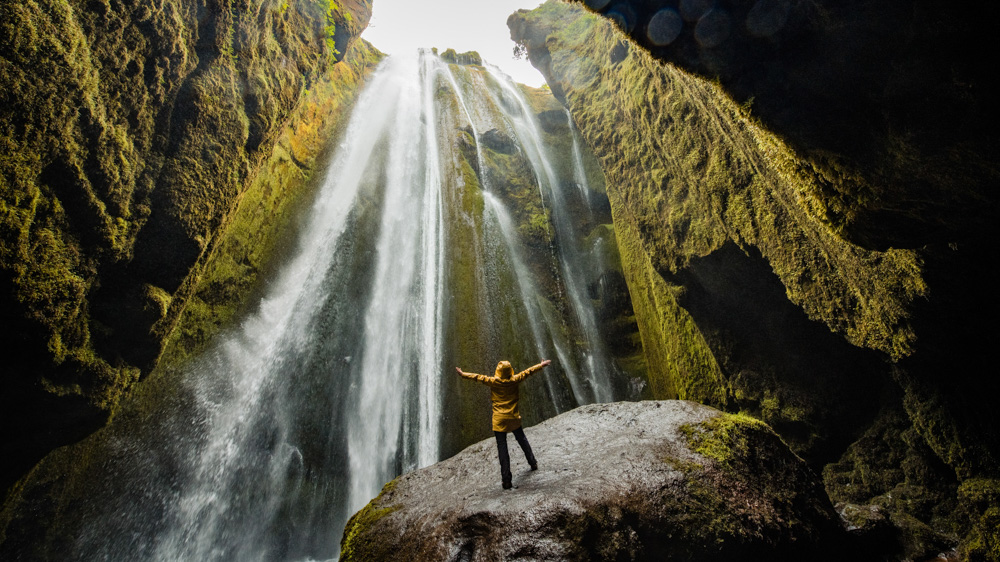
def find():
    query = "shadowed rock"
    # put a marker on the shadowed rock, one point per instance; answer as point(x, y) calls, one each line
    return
point(630, 480)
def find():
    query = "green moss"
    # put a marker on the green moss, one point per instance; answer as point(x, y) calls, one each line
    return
point(725, 438)
point(510, 176)
point(358, 543)
point(980, 499)
point(892, 469)
point(939, 427)
point(330, 31)
point(468, 57)
point(680, 362)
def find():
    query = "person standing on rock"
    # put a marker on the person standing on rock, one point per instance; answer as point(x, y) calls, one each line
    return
point(506, 418)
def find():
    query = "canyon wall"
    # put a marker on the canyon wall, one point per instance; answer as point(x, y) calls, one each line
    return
point(145, 145)
point(826, 274)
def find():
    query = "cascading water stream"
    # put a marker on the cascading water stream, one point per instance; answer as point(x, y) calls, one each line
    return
point(529, 133)
point(295, 418)
point(579, 172)
point(539, 323)
point(241, 383)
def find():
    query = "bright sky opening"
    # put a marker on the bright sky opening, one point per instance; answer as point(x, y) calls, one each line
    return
point(464, 25)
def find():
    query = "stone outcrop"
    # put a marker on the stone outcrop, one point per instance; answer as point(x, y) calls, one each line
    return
point(624, 481)
point(130, 133)
point(830, 284)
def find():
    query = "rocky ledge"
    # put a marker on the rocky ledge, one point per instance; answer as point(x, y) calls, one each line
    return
point(625, 481)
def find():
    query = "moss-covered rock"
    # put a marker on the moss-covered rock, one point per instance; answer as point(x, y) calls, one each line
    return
point(130, 132)
point(894, 492)
point(356, 544)
point(980, 499)
point(468, 57)
point(628, 480)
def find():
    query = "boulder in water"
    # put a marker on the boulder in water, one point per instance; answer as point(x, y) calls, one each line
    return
point(631, 480)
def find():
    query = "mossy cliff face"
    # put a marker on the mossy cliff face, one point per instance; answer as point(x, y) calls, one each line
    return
point(48, 504)
point(764, 280)
point(130, 132)
point(263, 215)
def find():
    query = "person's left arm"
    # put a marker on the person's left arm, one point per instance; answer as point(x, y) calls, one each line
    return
point(530, 371)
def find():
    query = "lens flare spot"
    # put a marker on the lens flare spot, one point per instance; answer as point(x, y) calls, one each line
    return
point(664, 27)
point(623, 15)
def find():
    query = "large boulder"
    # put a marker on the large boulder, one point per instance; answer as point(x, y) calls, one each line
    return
point(631, 480)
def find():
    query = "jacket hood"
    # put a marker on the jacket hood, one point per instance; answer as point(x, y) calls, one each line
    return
point(504, 370)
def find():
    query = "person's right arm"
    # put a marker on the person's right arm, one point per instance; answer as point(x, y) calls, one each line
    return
point(473, 376)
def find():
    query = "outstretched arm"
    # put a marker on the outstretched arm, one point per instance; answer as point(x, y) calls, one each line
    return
point(530, 371)
point(472, 376)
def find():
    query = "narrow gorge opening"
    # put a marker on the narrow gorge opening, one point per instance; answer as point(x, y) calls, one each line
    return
point(242, 252)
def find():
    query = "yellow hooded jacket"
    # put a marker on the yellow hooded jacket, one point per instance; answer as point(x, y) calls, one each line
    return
point(504, 394)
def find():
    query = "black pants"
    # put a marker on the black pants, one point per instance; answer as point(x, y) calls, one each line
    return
point(505, 456)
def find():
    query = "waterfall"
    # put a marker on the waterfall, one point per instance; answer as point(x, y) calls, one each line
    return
point(296, 416)
point(402, 321)
point(539, 324)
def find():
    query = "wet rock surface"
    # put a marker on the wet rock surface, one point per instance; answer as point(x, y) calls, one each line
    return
point(629, 480)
